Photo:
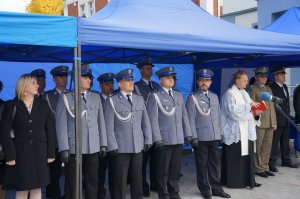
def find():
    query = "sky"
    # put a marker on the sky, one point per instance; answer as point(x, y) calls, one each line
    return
point(13, 5)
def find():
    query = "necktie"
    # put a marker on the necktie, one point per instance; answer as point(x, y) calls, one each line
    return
point(83, 97)
point(170, 93)
point(129, 100)
point(150, 85)
point(207, 97)
point(284, 91)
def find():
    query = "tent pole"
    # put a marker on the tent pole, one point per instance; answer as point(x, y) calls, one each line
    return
point(78, 133)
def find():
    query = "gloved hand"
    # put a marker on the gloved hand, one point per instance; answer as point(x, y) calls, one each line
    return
point(158, 145)
point(194, 143)
point(147, 147)
point(188, 140)
point(113, 153)
point(102, 152)
point(65, 156)
point(298, 127)
point(1, 153)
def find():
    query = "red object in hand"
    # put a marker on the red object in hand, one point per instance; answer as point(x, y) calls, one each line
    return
point(262, 107)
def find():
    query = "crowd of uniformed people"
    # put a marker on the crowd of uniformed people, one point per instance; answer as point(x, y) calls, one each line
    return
point(140, 122)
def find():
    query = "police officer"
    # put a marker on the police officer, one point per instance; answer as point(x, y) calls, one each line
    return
point(94, 140)
point(60, 78)
point(129, 133)
point(268, 124)
point(281, 134)
point(106, 82)
point(203, 109)
point(144, 87)
point(40, 75)
point(170, 129)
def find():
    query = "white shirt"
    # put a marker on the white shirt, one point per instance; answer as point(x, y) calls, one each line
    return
point(146, 81)
point(58, 91)
point(104, 96)
point(125, 95)
point(167, 90)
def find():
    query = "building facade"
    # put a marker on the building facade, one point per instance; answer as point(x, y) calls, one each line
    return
point(243, 14)
point(86, 8)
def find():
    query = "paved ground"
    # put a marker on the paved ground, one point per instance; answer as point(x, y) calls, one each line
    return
point(285, 185)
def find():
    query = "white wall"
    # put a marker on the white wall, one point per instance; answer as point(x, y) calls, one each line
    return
point(247, 19)
point(230, 6)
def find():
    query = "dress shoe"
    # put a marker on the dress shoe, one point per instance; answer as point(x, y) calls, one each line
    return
point(222, 195)
point(146, 193)
point(273, 169)
point(269, 173)
point(290, 164)
point(262, 174)
point(153, 188)
point(206, 196)
point(257, 185)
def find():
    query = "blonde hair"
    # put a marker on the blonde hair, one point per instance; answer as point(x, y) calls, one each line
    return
point(22, 83)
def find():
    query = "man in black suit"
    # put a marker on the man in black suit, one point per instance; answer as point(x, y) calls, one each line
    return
point(296, 102)
point(281, 134)
point(106, 82)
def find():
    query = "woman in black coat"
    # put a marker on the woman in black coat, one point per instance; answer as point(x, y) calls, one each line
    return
point(30, 149)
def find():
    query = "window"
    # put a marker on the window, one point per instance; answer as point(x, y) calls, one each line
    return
point(82, 10)
point(91, 8)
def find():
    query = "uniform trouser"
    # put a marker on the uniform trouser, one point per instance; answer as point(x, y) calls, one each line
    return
point(281, 134)
point(208, 167)
point(90, 164)
point(121, 165)
point(53, 189)
point(102, 176)
point(168, 171)
point(263, 149)
point(146, 156)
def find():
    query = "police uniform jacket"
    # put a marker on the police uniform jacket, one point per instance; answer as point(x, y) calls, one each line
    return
point(170, 129)
point(141, 87)
point(285, 106)
point(268, 117)
point(204, 127)
point(32, 144)
point(127, 136)
point(52, 98)
point(93, 124)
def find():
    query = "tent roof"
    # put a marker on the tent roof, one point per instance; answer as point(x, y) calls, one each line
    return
point(31, 36)
point(289, 22)
point(164, 26)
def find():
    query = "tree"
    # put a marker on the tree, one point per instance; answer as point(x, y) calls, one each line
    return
point(51, 7)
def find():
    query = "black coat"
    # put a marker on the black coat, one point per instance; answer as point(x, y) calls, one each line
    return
point(32, 145)
point(285, 106)
point(296, 102)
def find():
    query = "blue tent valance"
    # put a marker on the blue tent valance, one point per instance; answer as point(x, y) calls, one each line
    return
point(34, 29)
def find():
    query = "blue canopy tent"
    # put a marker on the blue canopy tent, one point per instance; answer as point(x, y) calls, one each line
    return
point(41, 38)
point(37, 38)
point(289, 23)
point(171, 31)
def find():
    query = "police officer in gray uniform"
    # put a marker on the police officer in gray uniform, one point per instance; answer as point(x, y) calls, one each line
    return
point(129, 133)
point(94, 139)
point(60, 77)
point(170, 129)
point(144, 87)
point(203, 109)
point(106, 82)
point(40, 75)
